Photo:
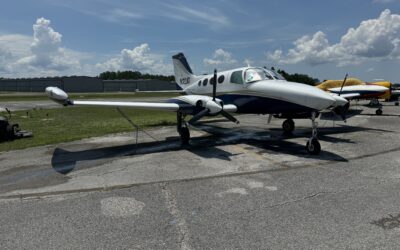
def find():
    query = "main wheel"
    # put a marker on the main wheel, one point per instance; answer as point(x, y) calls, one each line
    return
point(378, 112)
point(185, 135)
point(288, 126)
point(313, 147)
point(396, 104)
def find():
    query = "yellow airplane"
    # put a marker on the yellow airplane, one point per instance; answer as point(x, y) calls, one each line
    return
point(356, 89)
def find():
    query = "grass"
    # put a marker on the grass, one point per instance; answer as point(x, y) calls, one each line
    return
point(52, 126)
point(111, 95)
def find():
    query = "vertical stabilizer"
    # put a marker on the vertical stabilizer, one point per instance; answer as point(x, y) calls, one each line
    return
point(183, 73)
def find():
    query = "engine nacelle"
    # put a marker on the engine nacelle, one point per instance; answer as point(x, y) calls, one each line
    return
point(58, 95)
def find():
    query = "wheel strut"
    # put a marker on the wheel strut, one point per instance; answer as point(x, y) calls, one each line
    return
point(313, 146)
point(182, 129)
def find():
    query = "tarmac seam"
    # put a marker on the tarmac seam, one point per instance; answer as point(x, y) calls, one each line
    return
point(172, 207)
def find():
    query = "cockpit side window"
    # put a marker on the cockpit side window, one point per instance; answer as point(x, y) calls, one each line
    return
point(236, 77)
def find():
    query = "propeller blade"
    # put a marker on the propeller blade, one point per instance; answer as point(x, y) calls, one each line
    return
point(341, 111)
point(214, 84)
point(229, 116)
point(344, 82)
point(198, 116)
point(269, 118)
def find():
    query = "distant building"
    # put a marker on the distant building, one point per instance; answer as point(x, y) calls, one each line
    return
point(84, 84)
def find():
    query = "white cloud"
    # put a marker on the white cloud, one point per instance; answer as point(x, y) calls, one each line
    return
point(44, 55)
point(139, 58)
point(5, 58)
point(220, 57)
point(209, 16)
point(40, 55)
point(46, 50)
point(372, 39)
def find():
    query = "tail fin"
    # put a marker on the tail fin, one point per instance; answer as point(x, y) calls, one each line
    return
point(183, 73)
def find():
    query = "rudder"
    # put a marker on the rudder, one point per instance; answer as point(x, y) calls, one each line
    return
point(183, 72)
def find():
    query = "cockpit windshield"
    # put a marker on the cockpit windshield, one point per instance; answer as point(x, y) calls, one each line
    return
point(256, 74)
point(259, 74)
point(276, 75)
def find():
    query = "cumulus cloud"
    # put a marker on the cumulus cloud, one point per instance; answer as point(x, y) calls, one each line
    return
point(40, 55)
point(220, 57)
point(139, 58)
point(46, 50)
point(5, 58)
point(372, 39)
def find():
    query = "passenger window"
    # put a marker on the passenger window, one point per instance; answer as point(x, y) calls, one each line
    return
point(221, 79)
point(212, 81)
point(236, 77)
point(205, 81)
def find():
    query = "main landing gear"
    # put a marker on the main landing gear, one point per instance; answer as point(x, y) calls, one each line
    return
point(288, 126)
point(182, 129)
point(313, 146)
point(376, 103)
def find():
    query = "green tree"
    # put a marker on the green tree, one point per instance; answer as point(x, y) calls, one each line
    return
point(301, 78)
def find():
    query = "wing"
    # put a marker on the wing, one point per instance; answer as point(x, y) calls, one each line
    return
point(350, 96)
point(138, 105)
point(189, 104)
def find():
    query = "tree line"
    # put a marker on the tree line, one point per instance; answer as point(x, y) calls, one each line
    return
point(136, 75)
point(133, 75)
point(296, 77)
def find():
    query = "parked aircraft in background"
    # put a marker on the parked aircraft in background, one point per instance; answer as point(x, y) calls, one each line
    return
point(247, 90)
point(354, 88)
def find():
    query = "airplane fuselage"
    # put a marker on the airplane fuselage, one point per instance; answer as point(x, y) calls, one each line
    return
point(266, 96)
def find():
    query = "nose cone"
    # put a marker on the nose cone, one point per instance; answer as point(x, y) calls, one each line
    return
point(297, 93)
point(319, 99)
point(339, 101)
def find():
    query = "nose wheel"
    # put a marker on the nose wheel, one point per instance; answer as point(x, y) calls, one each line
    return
point(313, 146)
point(379, 111)
point(183, 129)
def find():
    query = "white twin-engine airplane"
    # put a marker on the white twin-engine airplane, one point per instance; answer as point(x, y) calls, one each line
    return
point(248, 90)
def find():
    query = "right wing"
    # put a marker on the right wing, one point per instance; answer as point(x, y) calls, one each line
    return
point(189, 104)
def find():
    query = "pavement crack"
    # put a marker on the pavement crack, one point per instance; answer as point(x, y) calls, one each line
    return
point(315, 195)
point(298, 200)
point(180, 222)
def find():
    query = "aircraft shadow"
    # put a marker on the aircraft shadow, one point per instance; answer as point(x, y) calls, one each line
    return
point(270, 141)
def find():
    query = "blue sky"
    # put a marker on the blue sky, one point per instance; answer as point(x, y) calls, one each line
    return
point(54, 37)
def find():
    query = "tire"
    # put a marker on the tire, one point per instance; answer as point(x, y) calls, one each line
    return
point(313, 147)
point(396, 104)
point(185, 135)
point(378, 112)
point(10, 131)
point(288, 126)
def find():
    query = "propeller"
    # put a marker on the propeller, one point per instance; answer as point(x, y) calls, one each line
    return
point(342, 110)
point(212, 106)
point(344, 82)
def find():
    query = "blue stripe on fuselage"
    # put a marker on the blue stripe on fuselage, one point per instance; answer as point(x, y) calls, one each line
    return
point(248, 104)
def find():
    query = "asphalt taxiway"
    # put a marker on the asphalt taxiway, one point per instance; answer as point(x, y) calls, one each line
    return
point(243, 186)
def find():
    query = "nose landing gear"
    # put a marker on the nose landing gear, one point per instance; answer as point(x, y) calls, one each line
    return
point(313, 146)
